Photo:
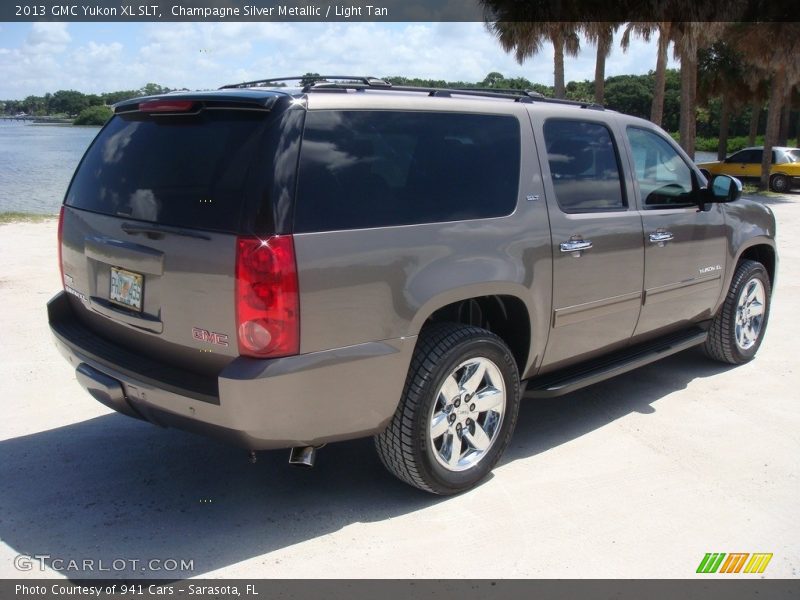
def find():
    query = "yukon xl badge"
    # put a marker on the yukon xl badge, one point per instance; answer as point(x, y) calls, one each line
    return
point(710, 269)
point(204, 335)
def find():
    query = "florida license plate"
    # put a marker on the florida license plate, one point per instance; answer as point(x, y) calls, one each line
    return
point(126, 288)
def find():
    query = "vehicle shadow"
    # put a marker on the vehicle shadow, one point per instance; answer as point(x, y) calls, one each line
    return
point(544, 424)
point(115, 488)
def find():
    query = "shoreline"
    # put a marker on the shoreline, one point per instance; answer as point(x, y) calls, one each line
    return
point(11, 217)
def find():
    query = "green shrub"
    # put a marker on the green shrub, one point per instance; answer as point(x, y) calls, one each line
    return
point(94, 115)
point(711, 144)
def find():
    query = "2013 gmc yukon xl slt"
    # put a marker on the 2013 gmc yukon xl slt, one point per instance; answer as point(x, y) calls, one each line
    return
point(283, 267)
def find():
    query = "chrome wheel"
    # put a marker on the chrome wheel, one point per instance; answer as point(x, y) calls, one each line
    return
point(467, 414)
point(750, 314)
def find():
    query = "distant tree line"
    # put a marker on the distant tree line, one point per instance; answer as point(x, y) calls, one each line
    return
point(633, 95)
point(86, 109)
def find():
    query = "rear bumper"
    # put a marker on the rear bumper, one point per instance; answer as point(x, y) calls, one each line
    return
point(308, 399)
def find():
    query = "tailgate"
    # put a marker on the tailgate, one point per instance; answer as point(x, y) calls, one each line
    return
point(185, 292)
point(151, 220)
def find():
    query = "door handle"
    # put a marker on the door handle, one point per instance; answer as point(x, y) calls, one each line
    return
point(576, 247)
point(661, 237)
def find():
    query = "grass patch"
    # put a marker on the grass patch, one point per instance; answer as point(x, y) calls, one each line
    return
point(21, 217)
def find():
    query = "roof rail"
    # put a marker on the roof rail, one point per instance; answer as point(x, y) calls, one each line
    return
point(312, 80)
point(323, 83)
point(538, 97)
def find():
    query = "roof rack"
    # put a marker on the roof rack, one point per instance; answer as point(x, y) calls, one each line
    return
point(329, 83)
point(312, 80)
point(535, 96)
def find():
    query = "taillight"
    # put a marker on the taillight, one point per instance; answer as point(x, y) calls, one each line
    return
point(166, 106)
point(60, 237)
point(267, 302)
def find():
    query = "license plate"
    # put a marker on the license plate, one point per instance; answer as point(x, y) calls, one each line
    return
point(126, 288)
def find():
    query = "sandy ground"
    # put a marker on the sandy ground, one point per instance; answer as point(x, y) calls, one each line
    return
point(635, 477)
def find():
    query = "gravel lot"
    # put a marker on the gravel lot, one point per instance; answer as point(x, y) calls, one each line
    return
point(635, 477)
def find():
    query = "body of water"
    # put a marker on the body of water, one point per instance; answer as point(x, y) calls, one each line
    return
point(36, 164)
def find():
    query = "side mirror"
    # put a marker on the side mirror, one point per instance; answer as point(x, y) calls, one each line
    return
point(725, 188)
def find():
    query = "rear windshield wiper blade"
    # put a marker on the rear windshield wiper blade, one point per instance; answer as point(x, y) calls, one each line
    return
point(154, 229)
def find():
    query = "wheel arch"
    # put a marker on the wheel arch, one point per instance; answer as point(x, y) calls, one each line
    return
point(503, 312)
point(763, 252)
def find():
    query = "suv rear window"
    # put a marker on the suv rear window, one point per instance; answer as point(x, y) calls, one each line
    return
point(191, 171)
point(363, 169)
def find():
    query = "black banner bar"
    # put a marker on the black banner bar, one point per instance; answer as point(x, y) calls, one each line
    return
point(398, 10)
point(705, 588)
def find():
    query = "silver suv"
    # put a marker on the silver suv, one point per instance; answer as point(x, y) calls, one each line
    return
point(284, 267)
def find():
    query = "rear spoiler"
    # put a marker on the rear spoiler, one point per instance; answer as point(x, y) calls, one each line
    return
point(173, 104)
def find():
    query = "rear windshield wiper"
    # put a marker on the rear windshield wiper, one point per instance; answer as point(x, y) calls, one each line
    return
point(153, 230)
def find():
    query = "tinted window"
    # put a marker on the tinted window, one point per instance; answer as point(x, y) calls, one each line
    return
point(380, 168)
point(736, 157)
point(665, 180)
point(191, 171)
point(584, 166)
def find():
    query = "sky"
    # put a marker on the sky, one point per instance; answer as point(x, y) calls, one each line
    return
point(36, 58)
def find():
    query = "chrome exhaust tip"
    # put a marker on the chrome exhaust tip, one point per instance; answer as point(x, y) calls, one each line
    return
point(303, 456)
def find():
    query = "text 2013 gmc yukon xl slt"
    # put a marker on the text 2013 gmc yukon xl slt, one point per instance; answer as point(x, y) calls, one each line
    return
point(283, 267)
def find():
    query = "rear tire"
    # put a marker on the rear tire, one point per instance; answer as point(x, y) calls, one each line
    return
point(738, 328)
point(779, 184)
point(457, 413)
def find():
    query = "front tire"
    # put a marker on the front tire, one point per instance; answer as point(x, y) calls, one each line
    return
point(738, 328)
point(779, 184)
point(457, 413)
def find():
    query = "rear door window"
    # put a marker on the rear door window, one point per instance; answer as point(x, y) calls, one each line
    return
point(193, 171)
point(584, 166)
point(362, 169)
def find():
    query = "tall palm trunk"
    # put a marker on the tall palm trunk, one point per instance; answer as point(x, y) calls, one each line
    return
point(657, 108)
point(688, 125)
point(776, 96)
point(786, 113)
point(600, 77)
point(603, 46)
point(755, 117)
point(558, 62)
point(724, 126)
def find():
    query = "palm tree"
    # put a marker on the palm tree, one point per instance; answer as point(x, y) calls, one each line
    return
point(689, 37)
point(527, 39)
point(645, 31)
point(722, 74)
point(773, 48)
point(786, 116)
point(601, 33)
point(758, 90)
